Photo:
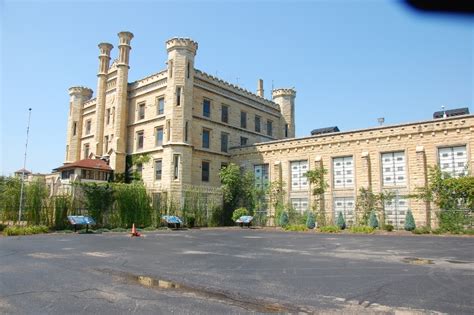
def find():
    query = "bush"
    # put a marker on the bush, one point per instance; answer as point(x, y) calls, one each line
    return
point(388, 227)
point(330, 229)
point(296, 228)
point(310, 223)
point(119, 229)
point(341, 223)
point(362, 229)
point(468, 232)
point(373, 222)
point(190, 220)
point(421, 230)
point(451, 220)
point(149, 228)
point(283, 220)
point(102, 230)
point(238, 213)
point(2, 227)
point(25, 230)
point(409, 221)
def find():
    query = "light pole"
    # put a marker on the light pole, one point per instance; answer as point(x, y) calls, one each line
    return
point(24, 166)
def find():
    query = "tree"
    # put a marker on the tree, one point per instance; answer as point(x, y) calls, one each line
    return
point(98, 200)
point(409, 221)
point(341, 223)
point(310, 223)
point(373, 222)
point(284, 220)
point(319, 185)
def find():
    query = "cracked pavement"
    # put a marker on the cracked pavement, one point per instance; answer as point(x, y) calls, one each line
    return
point(217, 270)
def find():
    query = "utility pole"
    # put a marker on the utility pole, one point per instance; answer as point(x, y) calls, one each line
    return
point(24, 166)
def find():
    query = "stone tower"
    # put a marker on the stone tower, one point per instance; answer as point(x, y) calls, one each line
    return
point(104, 61)
point(285, 98)
point(179, 109)
point(121, 120)
point(78, 96)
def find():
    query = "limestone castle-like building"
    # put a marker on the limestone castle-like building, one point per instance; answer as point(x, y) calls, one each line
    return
point(190, 124)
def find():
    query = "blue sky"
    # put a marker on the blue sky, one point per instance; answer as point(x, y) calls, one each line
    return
point(350, 61)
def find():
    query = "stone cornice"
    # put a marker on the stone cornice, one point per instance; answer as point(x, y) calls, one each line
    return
point(89, 103)
point(147, 84)
point(379, 134)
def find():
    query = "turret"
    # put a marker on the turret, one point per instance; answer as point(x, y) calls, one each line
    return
point(104, 61)
point(78, 96)
point(122, 102)
point(285, 98)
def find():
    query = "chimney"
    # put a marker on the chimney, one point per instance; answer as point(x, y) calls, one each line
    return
point(260, 88)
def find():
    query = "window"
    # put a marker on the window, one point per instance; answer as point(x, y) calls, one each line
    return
point(158, 169)
point(88, 126)
point(206, 108)
point(168, 130)
point(243, 141)
point(139, 169)
point(257, 124)
point(107, 116)
point(141, 111)
point(206, 134)
point(106, 144)
point(140, 136)
point(113, 115)
point(261, 176)
point(346, 206)
point(159, 136)
point(453, 160)
point(178, 95)
point(86, 150)
point(243, 119)
point(67, 174)
point(343, 172)
point(299, 181)
point(269, 127)
point(300, 204)
point(205, 171)
point(286, 130)
point(225, 114)
point(186, 132)
point(160, 105)
point(395, 211)
point(393, 169)
point(170, 68)
point(188, 70)
point(224, 141)
point(74, 128)
point(176, 166)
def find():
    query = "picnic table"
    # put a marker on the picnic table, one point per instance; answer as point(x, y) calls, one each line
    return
point(76, 220)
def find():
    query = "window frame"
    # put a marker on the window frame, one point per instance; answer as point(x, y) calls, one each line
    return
point(243, 119)
point(208, 132)
point(141, 111)
point(156, 171)
point(139, 145)
point(206, 104)
point(160, 110)
point(205, 177)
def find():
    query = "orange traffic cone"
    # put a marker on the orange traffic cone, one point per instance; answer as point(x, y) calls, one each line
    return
point(134, 231)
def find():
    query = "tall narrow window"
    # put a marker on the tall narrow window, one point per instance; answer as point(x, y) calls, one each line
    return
point(178, 95)
point(206, 135)
point(188, 70)
point(257, 123)
point(269, 127)
point(86, 151)
point(113, 115)
point(206, 108)
point(225, 114)
point(186, 132)
point(243, 119)
point(176, 166)
point(158, 169)
point(159, 136)
point(286, 130)
point(170, 68)
point(107, 116)
point(106, 144)
point(88, 127)
point(140, 138)
point(141, 111)
point(224, 141)
point(205, 171)
point(74, 128)
point(168, 130)
point(160, 105)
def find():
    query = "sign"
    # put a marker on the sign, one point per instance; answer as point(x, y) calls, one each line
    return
point(171, 219)
point(245, 219)
point(80, 220)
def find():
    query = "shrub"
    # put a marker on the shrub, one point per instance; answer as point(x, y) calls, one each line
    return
point(373, 222)
point(468, 232)
point(2, 227)
point(388, 227)
point(149, 228)
point(409, 221)
point(341, 223)
point(25, 230)
point(119, 229)
point(238, 213)
point(438, 231)
point(190, 220)
point(296, 228)
point(421, 230)
point(362, 229)
point(283, 220)
point(330, 229)
point(310, 223)
point(451, 220)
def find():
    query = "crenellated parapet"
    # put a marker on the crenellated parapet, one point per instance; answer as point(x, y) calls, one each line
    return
point(81, 91)
point(283, 92)
point(182, 43)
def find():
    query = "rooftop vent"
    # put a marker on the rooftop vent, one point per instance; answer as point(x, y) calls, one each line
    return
point(321, 131)
point(451, 112)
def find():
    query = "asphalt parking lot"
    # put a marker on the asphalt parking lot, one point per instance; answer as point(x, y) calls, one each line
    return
point(235, 271)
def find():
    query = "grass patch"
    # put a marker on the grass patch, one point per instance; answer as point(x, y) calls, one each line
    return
point(330, 229)
point(25, 230)
point(149, 229)
point(421, 230)
point(119, 230)
point(468, 232)
point(102, 230)
point(362, 229)
point(296, 228)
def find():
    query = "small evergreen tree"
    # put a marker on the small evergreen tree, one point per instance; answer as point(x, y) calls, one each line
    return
point(341, 223)
point(409, 221)
point(310, 223)
point(284, 220)
point(373, 222)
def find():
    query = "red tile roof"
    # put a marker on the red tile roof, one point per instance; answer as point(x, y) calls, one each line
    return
point(95, 164)
point(20, 171)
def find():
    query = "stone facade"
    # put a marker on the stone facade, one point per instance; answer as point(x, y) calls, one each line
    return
point(190, 124)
